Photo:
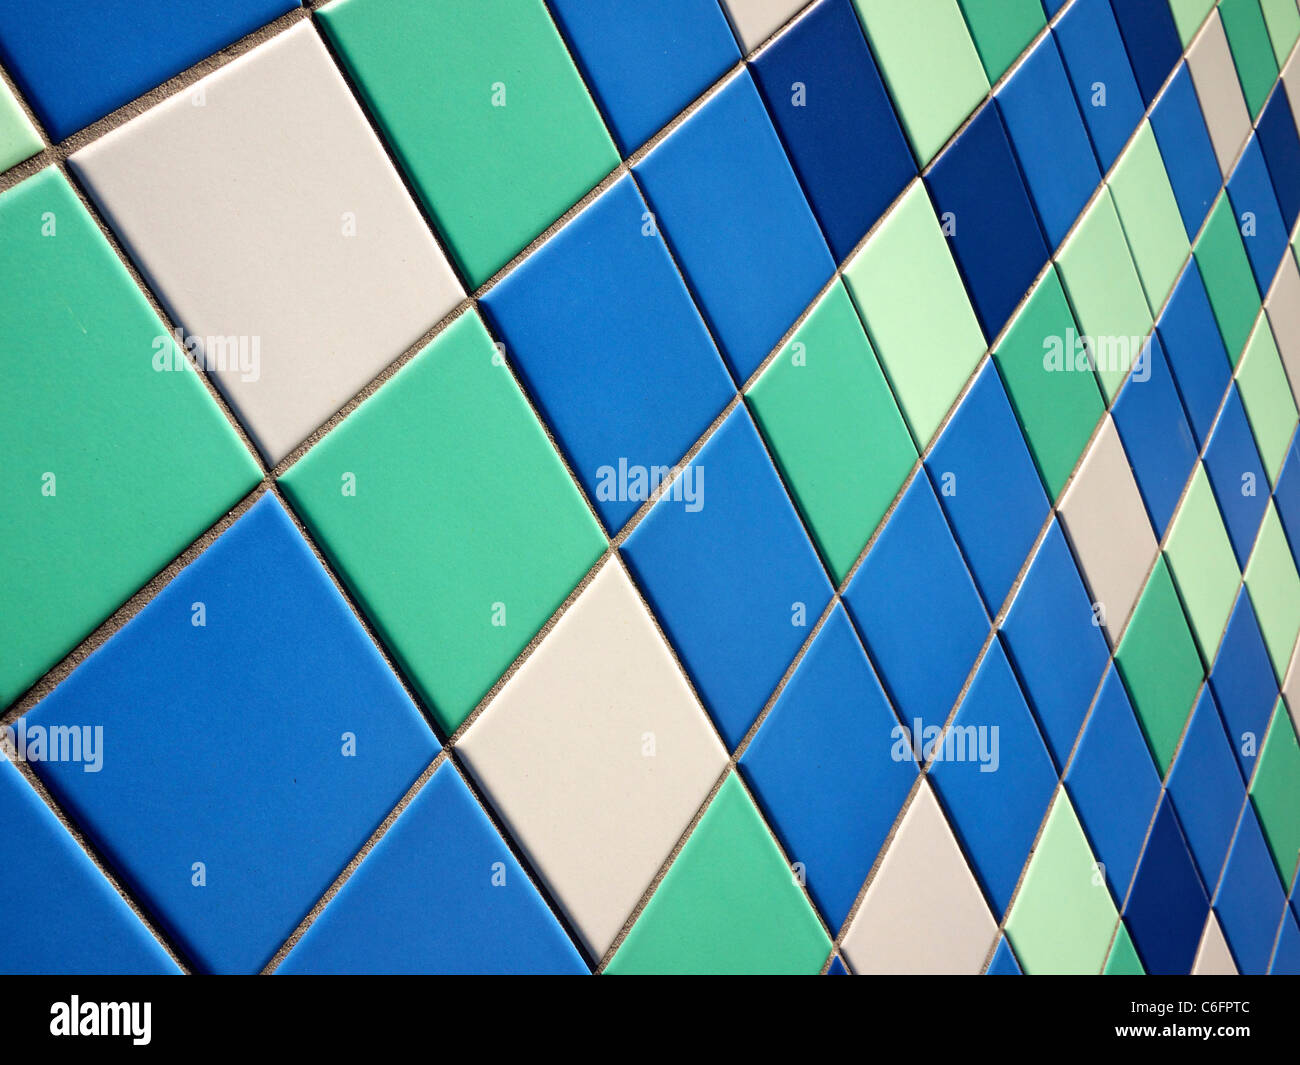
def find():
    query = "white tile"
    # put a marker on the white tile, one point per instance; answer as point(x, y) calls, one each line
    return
point(1291, 83)
point(1215, 77)
point(235, 199)
point(1107, 524)
point(1213, 958)
point(1283, 307)
point(597, 755)
point(923, 912)
point(754, 21)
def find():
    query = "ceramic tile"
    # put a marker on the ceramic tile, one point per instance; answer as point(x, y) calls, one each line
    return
point(1237, 475)
point(1286, 497)
point(1167, 906)
point(1266, 395)
point(1275, 793)
point(1004, 961)
point(1189, 16)
point(1259, 220)
point(1186, 150)
point(1249, 900)
point(1123, 959)
point(1279, 142)
point(1244, 685)
point(1151, 39)
point(1283, 22)
point(1283, 309)
point(1194, 349)
point(1252, 51)
point(18, 137)
point(1001, 31)
point(1286, 956)
point(1274, 591)
point(756, 20)
point(1225, 269)
point(1218, 91)
point(1213, 958)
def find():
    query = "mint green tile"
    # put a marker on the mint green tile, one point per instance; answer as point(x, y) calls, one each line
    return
point(1002, 29)
point(1282, 17)
point(914, 306)
point(931, 66)
point(1158, 661)
point(1267, 397)
point(1105, 292)
point(728, 905)
point(1274, 589)
point(1203, 565)
point(18, 137)
point(1063, 916)
point(111, 467)
point(1149, 215)
point(1188, 17)
point(842, 447)
point(1252, 50)
point(447, 512)
point(484, 109)
point(1275, 791)
point(1123, 959)
point(1221, 258)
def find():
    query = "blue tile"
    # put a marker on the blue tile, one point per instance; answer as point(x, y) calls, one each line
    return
point(981, 198)
point(917, 609)
point(231, 744)
point(1259, 219)
point(830, 106)
point(579, 318)
point(1244, 685)
point(1286, 957)
point(1151, 40)
point(732, 577)
point(644, 63)
point(1166, 907)
point(1206, 788)
point(837, 967)
point(1053, 6)
point(989, 486)
point(1156, 436)
point(997, 789)
point(1286, 497)
point(827, 768)
point(1047, 132)
point(1280, 143)
point(737, 222)
point(1004, 961)
point(1114, 784)
point(1186, 149)
point(77, 62)
point(1237, 476)
point(1250, 899)
point(65, 918)
point(439, 893)
point(1103, 80)
point(1194, 350)
point(1056, 649)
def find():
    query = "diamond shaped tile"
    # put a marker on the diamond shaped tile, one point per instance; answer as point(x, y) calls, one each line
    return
point(18, 137)
point(1237, 476)
point(1259, 219)
point(1267, 398)
point(1152, 42)
point(1167, 906)
point(1252, 51)
point(1001, 31)
point(1275, 792)
point(1190, 339)
point(1250, 901)
point(1274, 590)
point(1244, 685)
point(1219, 91)
point(1186, 150)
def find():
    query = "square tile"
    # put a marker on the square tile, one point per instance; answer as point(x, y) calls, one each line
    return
point(1249, 901)
point(18, 137)
point(455, 90)
point(1151, 39)
point(1282, 306)
point(456, 563)
point(1280, 143)
point(1266, 395)
point(1001, 31)
point(754, 21)
point(1194, 349)
point(599, 701)
point(1244, 685)
point(1186, 150)
point(1252, 51)
point(1237, 475)
point(1167, 906)
point(1275, 793)
point(1219, 91)
point(1259, 220)
point(1274, 591)
point(271, 308)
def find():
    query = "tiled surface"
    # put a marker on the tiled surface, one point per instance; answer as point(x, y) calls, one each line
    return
point(664, 411)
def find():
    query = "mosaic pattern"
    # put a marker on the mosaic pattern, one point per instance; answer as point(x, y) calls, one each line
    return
point(733, 486)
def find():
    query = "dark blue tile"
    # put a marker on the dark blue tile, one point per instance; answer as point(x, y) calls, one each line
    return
point(579, 318)
point(1004, 961)
point(1259, 219)
point(77, 62)
point(1103, 80)
point(1280, 143)
point(1056, 649)
point(252, 756)
point(644, 63)
point(1114, 784)
point(989, 486)
point(1167, 906)
point(737, 222)
point(65, 916)
point(1206, 788)
point(734, 580)
point(1244, 685)
point(1050, 141)
point(917, 609)
point(1151, 40)
point(831, 108)
point(439, 893)
point(1286, 497)
point(1187, 151)
point(1194, 350)
point(1250, 899)
point(1286, 958)
point(827, 769)
point(1156, 436)
point(1237, 476)
point(837, 967)
point(995, 777)
point(982, 202)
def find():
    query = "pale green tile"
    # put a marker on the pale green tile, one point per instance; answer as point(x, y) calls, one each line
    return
point(1282, 17)
point(1274, 588)
point(1267, 397)
point(18, 137)
point(1188, 17)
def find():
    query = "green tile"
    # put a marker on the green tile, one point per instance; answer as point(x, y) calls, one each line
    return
point(1158, 661)
point(484, 109)
point(111, 467)
point(1204, 567)
point(1002, 29)
point(1252, 51)
point(1063, 916)
point(1105, 292)
point(1229, 282)
point(1275, 791)
point(914, 305)
point(1149, 215)
point(728, 904)
point(447, 512)
point(1056, 398)
point(935, 77)
point(1274, 589)
point(1267, 397)
point(1282, 18)
point(829, 417)
point(1188, 17)
point(18, 137)
point(1123, 960)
